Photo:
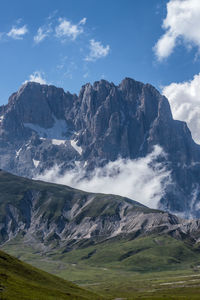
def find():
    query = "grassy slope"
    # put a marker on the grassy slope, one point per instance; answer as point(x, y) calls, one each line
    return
point(144, 267)
point(19, 280)
point(154, 267)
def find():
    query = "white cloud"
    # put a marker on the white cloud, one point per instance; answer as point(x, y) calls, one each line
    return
point(184, 99)
point(18, 33)
point(68, 30)
point(83, 21)
point(97, 50)
point(182, 24)
point(42, 33)
point(86, 75)
point(37, 77)
point(143, 179)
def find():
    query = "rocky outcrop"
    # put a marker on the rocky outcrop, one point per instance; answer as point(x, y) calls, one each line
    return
point(42, 126)
point(52, 215)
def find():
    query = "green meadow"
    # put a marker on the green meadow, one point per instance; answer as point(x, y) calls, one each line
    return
point(151, 267)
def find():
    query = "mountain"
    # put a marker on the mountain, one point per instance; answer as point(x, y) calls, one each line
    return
point(48, 216)
point(110, 244)
point(19, 280)
point(42, 126)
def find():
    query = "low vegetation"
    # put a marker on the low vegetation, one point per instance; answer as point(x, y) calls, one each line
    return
point(19, 280)
point(151, 267)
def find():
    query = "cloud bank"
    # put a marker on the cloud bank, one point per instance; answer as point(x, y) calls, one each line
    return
point(143, 179)
point(184, 99)
point(181, 25)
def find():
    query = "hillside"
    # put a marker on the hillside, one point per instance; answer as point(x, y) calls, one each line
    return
point(92, 238)
point(49, 216)
point(21, 281)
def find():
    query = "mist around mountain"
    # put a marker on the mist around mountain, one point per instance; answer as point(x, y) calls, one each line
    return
point(105, 137)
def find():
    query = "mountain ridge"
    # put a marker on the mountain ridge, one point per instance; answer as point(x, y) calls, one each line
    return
point(42, 126)
point(49, 215)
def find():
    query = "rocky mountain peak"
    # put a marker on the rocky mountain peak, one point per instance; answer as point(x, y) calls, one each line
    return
point(101, 124)
point(129, 83)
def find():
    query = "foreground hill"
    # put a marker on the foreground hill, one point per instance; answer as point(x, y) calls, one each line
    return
point(21, 281)
point(42, 126)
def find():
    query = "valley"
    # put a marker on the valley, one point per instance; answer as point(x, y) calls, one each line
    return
point(115, 247)
point(153, 267)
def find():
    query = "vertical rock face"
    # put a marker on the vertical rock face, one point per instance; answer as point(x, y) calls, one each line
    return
point(35, 104)
point(42, 126)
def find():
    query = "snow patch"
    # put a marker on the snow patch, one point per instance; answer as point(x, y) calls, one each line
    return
point(1, 119)
point(57, 142)
point(57, 132)
point(85, 164)
point(36, 162)
point(77, 148)
point(77, 163)
point(18, 152)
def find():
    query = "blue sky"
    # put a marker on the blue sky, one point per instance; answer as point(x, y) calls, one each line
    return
point(83, 41)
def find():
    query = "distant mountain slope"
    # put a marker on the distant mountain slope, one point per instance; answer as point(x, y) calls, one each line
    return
point(21, 281)
point(48, 216)
point(42, 126)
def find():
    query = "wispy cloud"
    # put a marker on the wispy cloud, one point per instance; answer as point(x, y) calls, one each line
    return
point(86, 75)
point(82, 21)
point(52, 15)
point(182, 24)
point(42, 33)
point(17, 33)
point(72, 66)
point(144, 179)
point(38, 77)
point(97, 50)
point(66, 29)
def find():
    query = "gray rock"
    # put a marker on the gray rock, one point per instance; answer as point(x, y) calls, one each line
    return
point(42, 214)
point(42, 126)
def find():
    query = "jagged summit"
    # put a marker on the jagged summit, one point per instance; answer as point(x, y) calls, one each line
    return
point(43, 126)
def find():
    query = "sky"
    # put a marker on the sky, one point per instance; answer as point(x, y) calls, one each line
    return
point(68, 43)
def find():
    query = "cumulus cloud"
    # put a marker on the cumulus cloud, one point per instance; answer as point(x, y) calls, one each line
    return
point(184, 99)
point(42, 33)
point(68, 30)
point(97, 50)
point(18, 33)
point(182, 24)
point(37, 77)
point(143, 179)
